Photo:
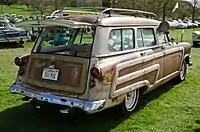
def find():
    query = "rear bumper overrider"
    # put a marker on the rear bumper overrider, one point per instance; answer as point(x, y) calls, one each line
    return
point(88, 106)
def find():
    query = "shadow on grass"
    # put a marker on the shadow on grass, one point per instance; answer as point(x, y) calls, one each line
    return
point(10, 45)
point(25, 119)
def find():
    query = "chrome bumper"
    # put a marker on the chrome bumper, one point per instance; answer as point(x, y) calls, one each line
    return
point(87, 106)
point(13, 39)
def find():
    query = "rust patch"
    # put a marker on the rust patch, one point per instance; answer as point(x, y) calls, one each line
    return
point(107, 75)
point(118, 100)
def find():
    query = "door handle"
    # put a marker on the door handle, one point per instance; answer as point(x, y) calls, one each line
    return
point(162, 47)
point(143, 53)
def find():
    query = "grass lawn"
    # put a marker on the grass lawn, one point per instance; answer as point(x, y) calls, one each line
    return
point(19, 10)
point(171, 108)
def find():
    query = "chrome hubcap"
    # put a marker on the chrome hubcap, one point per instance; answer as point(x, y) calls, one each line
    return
point(130, 100)
point(182, 72)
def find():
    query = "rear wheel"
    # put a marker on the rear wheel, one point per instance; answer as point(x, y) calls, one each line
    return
point(130, 102)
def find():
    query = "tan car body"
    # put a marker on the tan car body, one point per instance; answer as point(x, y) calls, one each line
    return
point(121, 72)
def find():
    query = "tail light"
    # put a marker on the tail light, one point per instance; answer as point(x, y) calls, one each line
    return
point(96, 72)
point(21, 62)
point(18, 61)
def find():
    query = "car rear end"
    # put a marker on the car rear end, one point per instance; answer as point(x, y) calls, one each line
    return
point(59, 73)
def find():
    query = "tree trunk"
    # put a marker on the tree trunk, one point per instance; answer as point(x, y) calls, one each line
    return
point(193, 13)
point(164, 10)
point(106, 3)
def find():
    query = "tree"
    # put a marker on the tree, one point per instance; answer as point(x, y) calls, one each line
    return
point(195, 5)
point(106, 3)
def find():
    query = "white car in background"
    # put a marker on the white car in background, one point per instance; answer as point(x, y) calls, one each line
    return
point(197, 23)
point(190, 23)
point(180, 24)
point(173, 24)
point(183, 25)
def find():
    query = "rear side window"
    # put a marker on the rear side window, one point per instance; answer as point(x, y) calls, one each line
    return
point(121, 39)
point(145, 37)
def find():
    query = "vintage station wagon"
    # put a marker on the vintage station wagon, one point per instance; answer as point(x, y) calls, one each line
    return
point(93, 62)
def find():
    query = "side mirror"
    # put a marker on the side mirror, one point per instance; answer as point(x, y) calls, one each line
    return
point(163, 27)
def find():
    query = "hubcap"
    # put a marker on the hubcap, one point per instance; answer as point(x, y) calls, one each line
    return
point(130, 100)
point(182, 72)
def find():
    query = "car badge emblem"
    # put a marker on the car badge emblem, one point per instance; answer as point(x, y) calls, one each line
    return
point(52, 66)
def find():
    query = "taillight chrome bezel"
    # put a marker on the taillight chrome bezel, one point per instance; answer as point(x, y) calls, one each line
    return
point(95, 72)
point(22, 60)
point(18, 61)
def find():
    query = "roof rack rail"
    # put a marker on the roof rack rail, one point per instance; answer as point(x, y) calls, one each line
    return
point(103, 10)
point(62, 11)
point(136, 12)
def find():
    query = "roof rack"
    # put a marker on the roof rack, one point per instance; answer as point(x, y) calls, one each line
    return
point(62, 11)
point(104, 10)
point(134, 12)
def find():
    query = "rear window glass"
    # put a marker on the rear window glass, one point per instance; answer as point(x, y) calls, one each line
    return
point(69, 41)
point(121, 39)
point(145, 37)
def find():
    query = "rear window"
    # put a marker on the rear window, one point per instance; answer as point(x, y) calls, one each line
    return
point(68, 41)
point(145, 37)
point(121, 39)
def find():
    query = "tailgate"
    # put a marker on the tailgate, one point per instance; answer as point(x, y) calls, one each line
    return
point(57, 72)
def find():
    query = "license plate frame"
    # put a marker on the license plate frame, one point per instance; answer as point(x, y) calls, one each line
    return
point(50, 74)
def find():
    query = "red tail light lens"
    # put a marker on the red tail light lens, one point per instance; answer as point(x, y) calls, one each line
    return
point(18, 61)
point(96, 72)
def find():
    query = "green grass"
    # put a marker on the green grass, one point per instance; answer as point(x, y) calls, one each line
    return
point(170, 108)
point(25, 11)
point(19, 10)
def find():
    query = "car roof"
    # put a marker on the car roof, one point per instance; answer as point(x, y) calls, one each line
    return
point(115, 20)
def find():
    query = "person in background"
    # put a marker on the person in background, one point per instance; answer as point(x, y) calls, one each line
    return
point(60, 39)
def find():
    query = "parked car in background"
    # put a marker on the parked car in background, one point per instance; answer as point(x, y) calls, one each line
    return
point(190, 23)
point(173, 24)
point(99, 61)
point(196, 37)
point(198, 23)
point(181, 25)
point(9, 33)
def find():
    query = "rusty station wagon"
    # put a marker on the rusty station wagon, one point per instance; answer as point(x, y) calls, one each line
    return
point(93, 62)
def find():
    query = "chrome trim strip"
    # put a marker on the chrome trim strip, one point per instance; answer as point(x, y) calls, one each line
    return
point(87, 106)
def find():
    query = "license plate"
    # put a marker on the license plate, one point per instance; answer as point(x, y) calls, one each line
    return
point(50, 74)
